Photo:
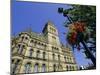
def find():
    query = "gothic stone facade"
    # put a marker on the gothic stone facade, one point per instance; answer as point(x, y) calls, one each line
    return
point(32, 52)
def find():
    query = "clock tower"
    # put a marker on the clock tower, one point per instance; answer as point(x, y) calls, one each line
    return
point(51, 33)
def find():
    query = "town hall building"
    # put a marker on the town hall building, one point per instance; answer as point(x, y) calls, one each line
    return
point(40, 52)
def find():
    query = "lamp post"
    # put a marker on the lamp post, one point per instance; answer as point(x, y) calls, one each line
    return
point(87, 51)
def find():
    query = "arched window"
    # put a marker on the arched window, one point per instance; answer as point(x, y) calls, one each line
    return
point(12, 65)
point(36, 66)
point(26, 38)
point(65, 58)
point(73, 68)
point(43, 68)
point(44, 54)
point(60, 67)
point(12, 61)
point(15, 66)
point(31, 52)
point(58, 57)
point(38, 54)
point(22, 38)
point(67, 67)
point(28, 68)
point(53, 56)
point(68, 59)
point(31, 41)
point(70, 68)
point(54, 68)
point(20, 48)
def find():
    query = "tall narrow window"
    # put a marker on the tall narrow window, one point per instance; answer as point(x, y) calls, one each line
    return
point(54, 68)
point(12, 65)
point(58, 57)
point(15, 66)
point(68, 59)
point(31, 43)
point(28, 68)
point(31, 52)
point(43, 68)
point(73, 68)
point(70, 68)
point(44, 54)
point(38, 54)
point(53, 56)
point(60, 67)
point(65, 58)
point(71, 60)
point(22, 38)
point(20, 48)
point(36, 68)
point(67, 67)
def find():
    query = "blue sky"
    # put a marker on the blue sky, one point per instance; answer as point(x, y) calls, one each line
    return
point(32, 14)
